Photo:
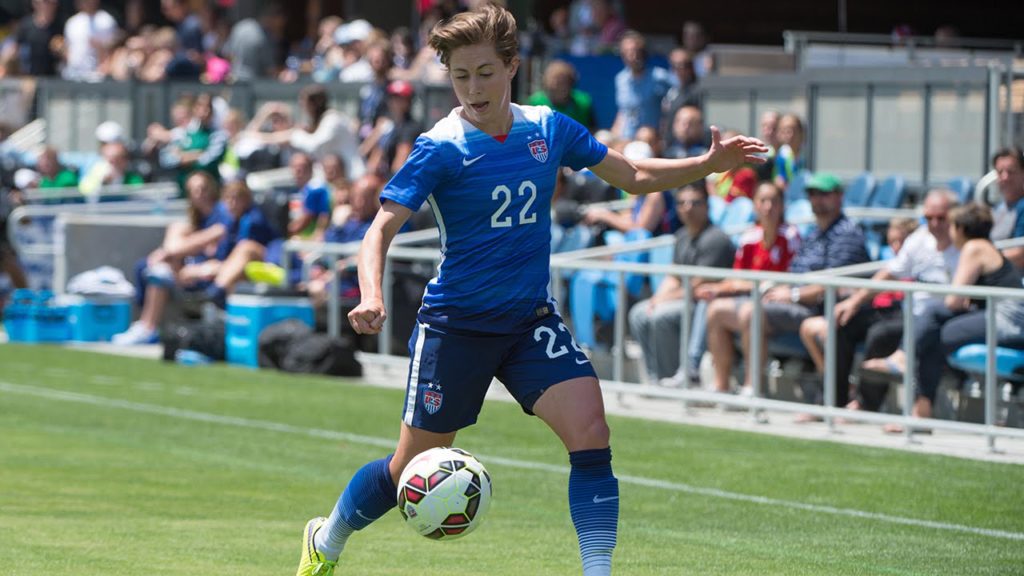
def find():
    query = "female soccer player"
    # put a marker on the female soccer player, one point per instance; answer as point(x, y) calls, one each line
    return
point(488, 172)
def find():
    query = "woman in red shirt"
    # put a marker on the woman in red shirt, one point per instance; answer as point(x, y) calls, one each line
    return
point(770, 245)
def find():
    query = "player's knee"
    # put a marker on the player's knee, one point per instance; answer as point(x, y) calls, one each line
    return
point(596, 433)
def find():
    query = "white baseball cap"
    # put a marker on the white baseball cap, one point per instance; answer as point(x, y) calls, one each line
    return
point(109, 131)
point(638, 150)
point(25, 178)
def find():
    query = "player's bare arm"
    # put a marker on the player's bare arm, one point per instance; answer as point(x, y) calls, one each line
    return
point(657, 174)
point(369, 315)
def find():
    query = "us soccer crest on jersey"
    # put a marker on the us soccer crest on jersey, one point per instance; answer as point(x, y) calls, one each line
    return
point(539, 150)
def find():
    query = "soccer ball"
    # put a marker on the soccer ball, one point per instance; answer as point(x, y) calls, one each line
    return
point(444, 493)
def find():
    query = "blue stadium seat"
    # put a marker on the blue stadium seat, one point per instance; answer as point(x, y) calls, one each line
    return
point(570, 239)
point(874, 242)
point(738, 213)
point(797, 188)
point(716, 209)
point(963, 187)
point(971, 359)
point(800, 214)
point(858, 193)
point(890, 193)
point(660, 255)
point(592, 292)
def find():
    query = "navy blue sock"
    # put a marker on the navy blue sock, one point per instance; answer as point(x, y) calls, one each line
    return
point(594, 506)
point(217, 295)
point(369, 495)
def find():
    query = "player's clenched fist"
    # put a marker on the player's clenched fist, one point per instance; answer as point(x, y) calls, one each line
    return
point(368, 317)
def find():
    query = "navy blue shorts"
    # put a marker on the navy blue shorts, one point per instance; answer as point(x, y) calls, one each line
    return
point(450, 372)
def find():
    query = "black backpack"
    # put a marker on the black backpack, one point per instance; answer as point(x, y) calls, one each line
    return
point(292, 346)
point(204, 337)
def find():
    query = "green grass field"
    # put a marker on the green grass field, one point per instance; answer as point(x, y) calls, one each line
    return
point(113, 466)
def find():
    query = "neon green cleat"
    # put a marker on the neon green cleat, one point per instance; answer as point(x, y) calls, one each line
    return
point(313, 563)
point(265, 273)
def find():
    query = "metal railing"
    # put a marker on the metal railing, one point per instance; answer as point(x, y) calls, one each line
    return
point(32, 234)
point(913, 50)
point(833, 281)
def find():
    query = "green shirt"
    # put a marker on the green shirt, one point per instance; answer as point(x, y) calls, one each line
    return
point(63, 179)
point(579, 107)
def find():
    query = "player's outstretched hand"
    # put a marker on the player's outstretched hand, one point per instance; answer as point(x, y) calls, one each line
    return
point(728, 154)
point(368, 317)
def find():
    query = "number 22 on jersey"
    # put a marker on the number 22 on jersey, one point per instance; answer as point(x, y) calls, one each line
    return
point(502, 218)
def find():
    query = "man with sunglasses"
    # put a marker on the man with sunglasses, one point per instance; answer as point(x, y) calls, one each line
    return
point(928, 255)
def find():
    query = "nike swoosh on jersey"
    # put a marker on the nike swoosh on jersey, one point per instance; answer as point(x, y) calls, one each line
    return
point(600, 500)
point(468, 161)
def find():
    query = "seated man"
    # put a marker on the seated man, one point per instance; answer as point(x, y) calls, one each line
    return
point(308, 219)
point(365, 201)
point(51, 173)
point(834, 241)
point(655, 322)
point(1009, 214)
point(315, 213)
point(113, 170)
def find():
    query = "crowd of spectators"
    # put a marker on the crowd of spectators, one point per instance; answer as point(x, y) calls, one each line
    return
point(339, 164)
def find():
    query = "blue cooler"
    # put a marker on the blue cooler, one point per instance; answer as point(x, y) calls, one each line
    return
point(17, 315)
point(98, 318)
point(36, 317)
point(248, 315)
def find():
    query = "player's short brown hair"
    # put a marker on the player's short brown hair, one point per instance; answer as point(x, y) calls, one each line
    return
point(489, 24)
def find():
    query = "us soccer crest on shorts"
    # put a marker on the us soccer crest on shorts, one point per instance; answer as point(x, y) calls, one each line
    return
point(432, 398)
point(539, 150)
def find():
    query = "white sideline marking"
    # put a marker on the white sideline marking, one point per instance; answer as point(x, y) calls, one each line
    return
point(53, 394)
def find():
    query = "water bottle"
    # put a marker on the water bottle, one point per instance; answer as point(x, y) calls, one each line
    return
point(191, 358)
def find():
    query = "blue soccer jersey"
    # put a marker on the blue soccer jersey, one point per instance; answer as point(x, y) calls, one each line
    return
point(492, 202)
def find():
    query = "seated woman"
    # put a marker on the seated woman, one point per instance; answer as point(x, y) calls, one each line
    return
point(246, 241)
point(769, 246)
point(946, 325)
point(365, 200)
point(189, 251)
point(209, 253)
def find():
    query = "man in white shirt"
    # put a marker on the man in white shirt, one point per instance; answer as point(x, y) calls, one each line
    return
point(88, 36)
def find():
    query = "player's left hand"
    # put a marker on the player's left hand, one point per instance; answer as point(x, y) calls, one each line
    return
point(725, 155)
